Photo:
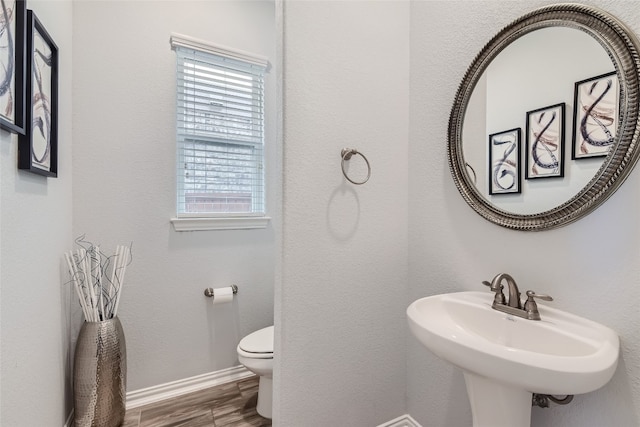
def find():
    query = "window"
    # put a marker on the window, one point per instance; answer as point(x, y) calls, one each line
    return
point(220, 131)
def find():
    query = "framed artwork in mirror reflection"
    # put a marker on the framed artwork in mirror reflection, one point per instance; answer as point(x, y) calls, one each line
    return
point(595, 116)
point(12, 65)
point(38, 147)
point(504, 162)
point(545, 142)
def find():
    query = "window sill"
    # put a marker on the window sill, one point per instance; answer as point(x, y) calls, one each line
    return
point(228, 223)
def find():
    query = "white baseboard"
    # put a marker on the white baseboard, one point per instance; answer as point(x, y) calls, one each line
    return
point(172, 389)
point(69, 422)
point(177, 388)
point(402, 421)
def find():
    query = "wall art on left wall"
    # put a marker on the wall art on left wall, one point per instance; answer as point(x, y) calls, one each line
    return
point(38, 147)
point(12, 65)
point(595, 119)
point(504, 162)
point(545, 142)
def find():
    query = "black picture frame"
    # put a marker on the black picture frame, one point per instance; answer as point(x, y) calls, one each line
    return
point(12, 65)
point(600, 93)
point(38, 147)
point(545, 133)
point(505, 175)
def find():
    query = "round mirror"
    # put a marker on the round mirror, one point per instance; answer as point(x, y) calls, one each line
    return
point(544, 126)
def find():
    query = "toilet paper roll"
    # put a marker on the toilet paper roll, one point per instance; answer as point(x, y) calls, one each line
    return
point(222, 295)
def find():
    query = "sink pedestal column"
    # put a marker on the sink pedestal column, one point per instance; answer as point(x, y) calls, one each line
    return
point(497, 405)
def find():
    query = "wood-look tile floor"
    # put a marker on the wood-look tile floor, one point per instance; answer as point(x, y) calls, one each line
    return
point(227, 405)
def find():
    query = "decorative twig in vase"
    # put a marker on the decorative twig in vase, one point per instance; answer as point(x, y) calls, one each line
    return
point(98, 279)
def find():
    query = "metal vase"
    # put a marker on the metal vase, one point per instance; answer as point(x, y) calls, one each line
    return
point(100, 374)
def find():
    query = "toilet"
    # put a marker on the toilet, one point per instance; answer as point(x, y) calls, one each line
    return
point(255, 352)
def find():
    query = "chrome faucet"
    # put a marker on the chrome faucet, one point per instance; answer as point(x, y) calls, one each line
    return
point(513, 305)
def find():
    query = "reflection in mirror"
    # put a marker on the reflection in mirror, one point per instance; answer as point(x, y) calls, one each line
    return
point(545, 122)
point(537, 70)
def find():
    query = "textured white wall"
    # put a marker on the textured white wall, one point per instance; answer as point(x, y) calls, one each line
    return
point(35, 231)
point(124, 183)
point(342, 326)
point(591, 267)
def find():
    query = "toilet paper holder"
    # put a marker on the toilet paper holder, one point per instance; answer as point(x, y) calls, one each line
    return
point(210, 292)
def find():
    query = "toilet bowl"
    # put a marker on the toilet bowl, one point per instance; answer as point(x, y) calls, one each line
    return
point(255, 352)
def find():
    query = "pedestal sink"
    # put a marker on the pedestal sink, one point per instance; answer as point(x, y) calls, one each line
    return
point(506, 358)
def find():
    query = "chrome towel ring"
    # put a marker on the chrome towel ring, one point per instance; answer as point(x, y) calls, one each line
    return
point(346, 154)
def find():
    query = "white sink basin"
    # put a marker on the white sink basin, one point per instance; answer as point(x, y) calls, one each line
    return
point(560, 354)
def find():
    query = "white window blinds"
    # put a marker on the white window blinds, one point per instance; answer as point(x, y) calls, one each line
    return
point(220, 130)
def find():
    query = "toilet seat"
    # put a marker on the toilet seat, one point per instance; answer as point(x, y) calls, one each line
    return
point(257, 345)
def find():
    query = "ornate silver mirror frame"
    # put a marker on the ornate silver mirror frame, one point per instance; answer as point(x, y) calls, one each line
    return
point(623, 48)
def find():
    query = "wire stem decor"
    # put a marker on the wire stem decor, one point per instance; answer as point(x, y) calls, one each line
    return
point(98, 278)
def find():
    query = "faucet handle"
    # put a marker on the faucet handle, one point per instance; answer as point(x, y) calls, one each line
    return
point(491, 285)
point(531, 295)
point(531, 307)
point(499, 299)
